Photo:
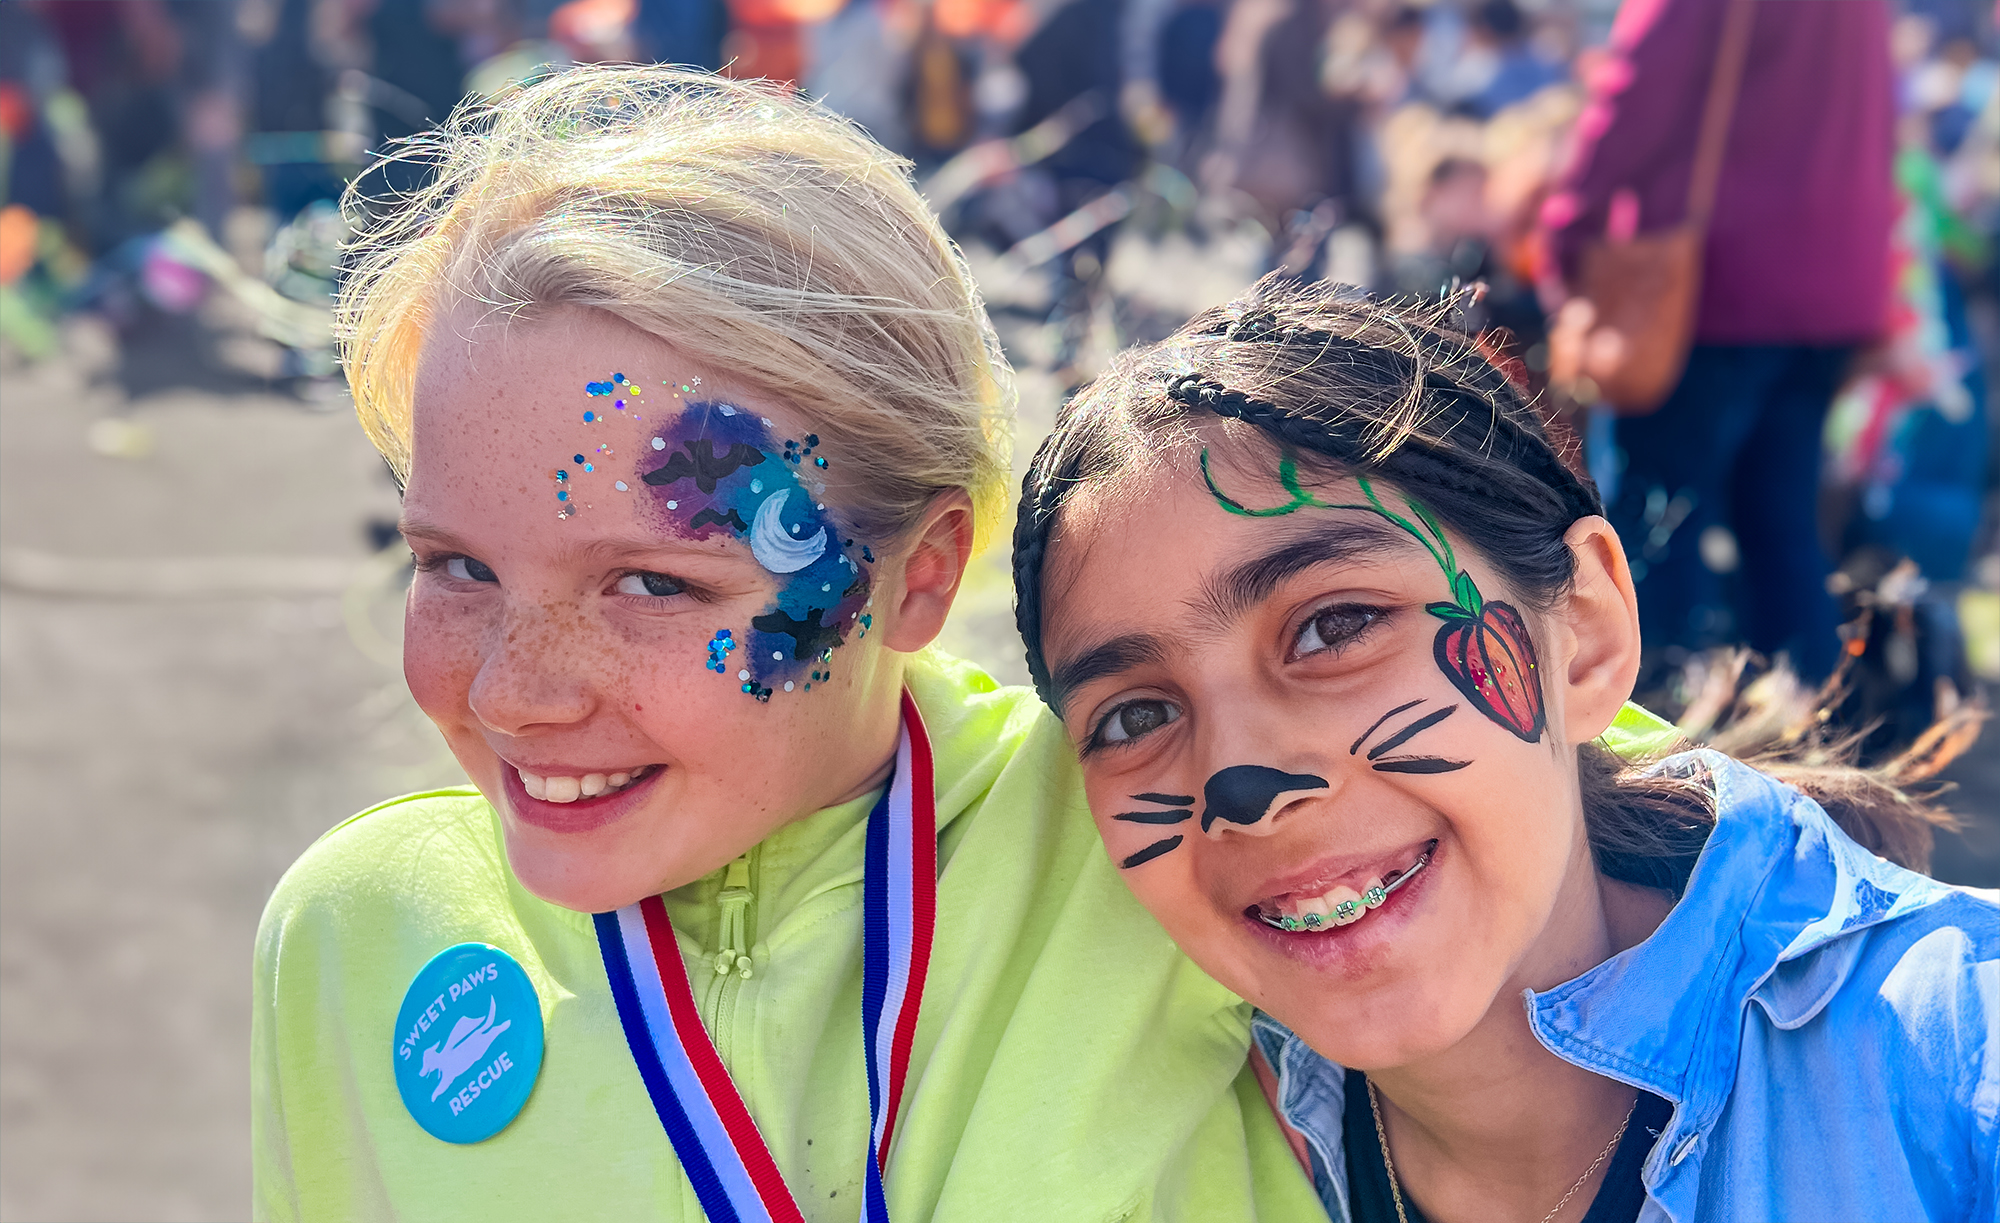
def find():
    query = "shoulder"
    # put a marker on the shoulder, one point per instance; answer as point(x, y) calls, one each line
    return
point(991, 740)
point(418, 860)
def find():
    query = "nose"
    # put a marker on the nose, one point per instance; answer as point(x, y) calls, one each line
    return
point(1247, 798)
point(532, 675)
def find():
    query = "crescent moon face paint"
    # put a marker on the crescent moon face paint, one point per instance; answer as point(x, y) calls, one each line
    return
point(716, 468)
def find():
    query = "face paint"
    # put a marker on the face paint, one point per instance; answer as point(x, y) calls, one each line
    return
point(1484, 648)
point(1240, 796)
point(1407, 764)
point(718, 469)
point(1243, 794)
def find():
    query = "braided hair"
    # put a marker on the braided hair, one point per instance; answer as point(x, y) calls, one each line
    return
point(1399, 394)
point(1390, 391)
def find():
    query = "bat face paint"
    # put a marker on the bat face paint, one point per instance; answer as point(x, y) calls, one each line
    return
point(1484, 647)
point(717, 469)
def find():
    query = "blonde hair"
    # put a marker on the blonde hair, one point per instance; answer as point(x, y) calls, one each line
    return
point(731, 218)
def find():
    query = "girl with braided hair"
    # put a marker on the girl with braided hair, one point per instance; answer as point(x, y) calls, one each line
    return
point(1345, 650)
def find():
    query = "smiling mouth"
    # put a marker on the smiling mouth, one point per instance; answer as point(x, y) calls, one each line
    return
point(552, 789)
point(1343, 906)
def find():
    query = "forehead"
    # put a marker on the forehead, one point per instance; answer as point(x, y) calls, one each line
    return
point(494, 389)
point(1156, 546)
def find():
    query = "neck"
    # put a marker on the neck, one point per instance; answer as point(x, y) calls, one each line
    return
point(875, 730)
point(1496, 1126)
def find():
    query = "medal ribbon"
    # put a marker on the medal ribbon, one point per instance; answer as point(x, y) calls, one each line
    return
point(710, 1127)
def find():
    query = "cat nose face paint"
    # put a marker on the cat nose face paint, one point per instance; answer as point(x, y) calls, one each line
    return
point(1243, 794)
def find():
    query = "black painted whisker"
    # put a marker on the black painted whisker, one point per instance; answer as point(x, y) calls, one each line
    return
point(1150, 852)
point(1156, 817)
point(1411, 731)
point(1166, 800)
point(1419, 764)
point(1363, 738)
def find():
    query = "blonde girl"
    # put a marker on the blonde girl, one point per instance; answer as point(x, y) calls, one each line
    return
point(753, 909)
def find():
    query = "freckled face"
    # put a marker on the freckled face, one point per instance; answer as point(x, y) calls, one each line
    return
point(1269, 691)
point(552, 649)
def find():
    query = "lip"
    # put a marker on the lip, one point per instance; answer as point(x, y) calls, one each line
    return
point(1334, 870)
point(1355, 949)
point(583, 815)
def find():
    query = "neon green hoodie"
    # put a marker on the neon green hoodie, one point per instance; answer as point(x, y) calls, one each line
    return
point(1069, 1064)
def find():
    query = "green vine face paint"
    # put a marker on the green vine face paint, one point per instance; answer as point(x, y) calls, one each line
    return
point(1484, 647)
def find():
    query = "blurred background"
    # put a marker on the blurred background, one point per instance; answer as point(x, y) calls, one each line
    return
point(200, 578)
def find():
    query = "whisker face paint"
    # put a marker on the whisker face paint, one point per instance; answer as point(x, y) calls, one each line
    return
point(1382, 762)
point(1151, 852)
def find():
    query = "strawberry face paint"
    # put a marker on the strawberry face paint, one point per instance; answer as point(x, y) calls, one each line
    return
point(1484, 647)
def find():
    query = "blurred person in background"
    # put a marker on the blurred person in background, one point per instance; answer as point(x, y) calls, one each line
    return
point(1285, 141)
point(1794, 276)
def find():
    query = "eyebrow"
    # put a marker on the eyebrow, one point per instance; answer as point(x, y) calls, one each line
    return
point(1224, 596)
point(1107, 658)
point(600, 551)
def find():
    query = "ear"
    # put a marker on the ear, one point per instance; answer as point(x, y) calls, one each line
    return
point(1599, 626)
point(931, 572)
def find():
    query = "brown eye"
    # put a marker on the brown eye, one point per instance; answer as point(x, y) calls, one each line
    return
point(1332, 627)
point(1136, 718)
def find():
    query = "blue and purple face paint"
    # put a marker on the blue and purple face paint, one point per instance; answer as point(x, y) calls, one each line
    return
point(716, 469)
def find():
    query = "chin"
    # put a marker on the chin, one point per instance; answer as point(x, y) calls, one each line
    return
point(582, 878)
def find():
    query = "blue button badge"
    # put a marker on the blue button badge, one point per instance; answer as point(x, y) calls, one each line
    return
point(468, 1043)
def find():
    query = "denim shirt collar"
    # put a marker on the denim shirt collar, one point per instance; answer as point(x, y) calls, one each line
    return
point(1775, 883)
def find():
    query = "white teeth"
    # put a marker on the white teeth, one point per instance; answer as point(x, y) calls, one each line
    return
point(569, 789)
point(1343, 906)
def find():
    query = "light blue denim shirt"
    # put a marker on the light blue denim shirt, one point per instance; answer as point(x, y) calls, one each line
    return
point(1826, 1025)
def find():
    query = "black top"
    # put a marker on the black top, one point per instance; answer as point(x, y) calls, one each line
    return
point(1369, 1200)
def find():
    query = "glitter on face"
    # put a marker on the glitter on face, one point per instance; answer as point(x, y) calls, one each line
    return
point(721, 475)
point(621, 486)
point(588, 417)
point(719, 649)
point(579, 458)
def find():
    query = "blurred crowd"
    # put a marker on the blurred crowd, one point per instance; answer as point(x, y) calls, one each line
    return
point(162, 155)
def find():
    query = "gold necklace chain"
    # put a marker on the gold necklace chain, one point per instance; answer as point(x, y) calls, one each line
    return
point(1396, 1191)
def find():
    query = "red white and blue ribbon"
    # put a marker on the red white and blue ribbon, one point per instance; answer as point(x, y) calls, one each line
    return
point(726, 1159)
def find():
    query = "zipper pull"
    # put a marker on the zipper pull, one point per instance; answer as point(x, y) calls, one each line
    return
point(732, 953)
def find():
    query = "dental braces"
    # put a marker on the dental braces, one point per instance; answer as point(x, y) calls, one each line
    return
point(1347, 910)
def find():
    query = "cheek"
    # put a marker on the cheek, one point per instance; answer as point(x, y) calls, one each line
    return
point(441, 648)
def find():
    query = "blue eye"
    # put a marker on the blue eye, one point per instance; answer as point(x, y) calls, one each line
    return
point(465, 569)
point(655, 585)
